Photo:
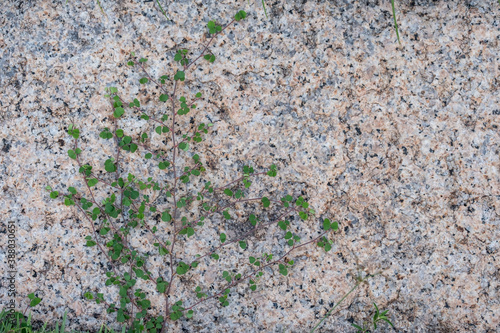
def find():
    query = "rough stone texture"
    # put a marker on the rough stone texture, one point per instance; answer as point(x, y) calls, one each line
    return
point(400, 143)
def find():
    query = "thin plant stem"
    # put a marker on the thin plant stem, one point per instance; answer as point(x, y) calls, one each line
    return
point(265, 11)
point(99, 3)
point(395, 21)
point(165, 14)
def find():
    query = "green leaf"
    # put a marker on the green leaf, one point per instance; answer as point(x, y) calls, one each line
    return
point(88, 295)
point(283, 270)
point(136, 102)
point(180, 75)
point(358, 327)
point(74, 132)
point(222, 237)
point(175, 315)
point(166, 217)
point(143, 60)
point(265, 202)
point(215, 256)
point(387, 320)
point(54, 194)
point(182, 268)
point(253, 219)
point(161, 285)
point(326, 224)
point(163, 165)
point(68, 201)
point(184, 146)
point(335, 226)
point(283, 224)
point(198, 95)
point(163, 251)
point(104, 231)
point(106, 134)
point(118, 112)
point(34, 300)
point(272, 171)
point(120, 316)
point(209, 57)
point(240, 15)
point(130, 63)
point(163, 98)
point(228, 192)
point(243, 244)
point(144, 80)
point(303, 215)
point(92, 182)
point(72, 154)
point(109, 166)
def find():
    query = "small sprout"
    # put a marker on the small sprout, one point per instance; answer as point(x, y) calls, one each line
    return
point(34, 300)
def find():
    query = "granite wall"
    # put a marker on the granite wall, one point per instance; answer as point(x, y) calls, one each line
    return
point(398, 142)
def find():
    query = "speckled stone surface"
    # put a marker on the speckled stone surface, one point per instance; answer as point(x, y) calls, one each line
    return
point(399, 143)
